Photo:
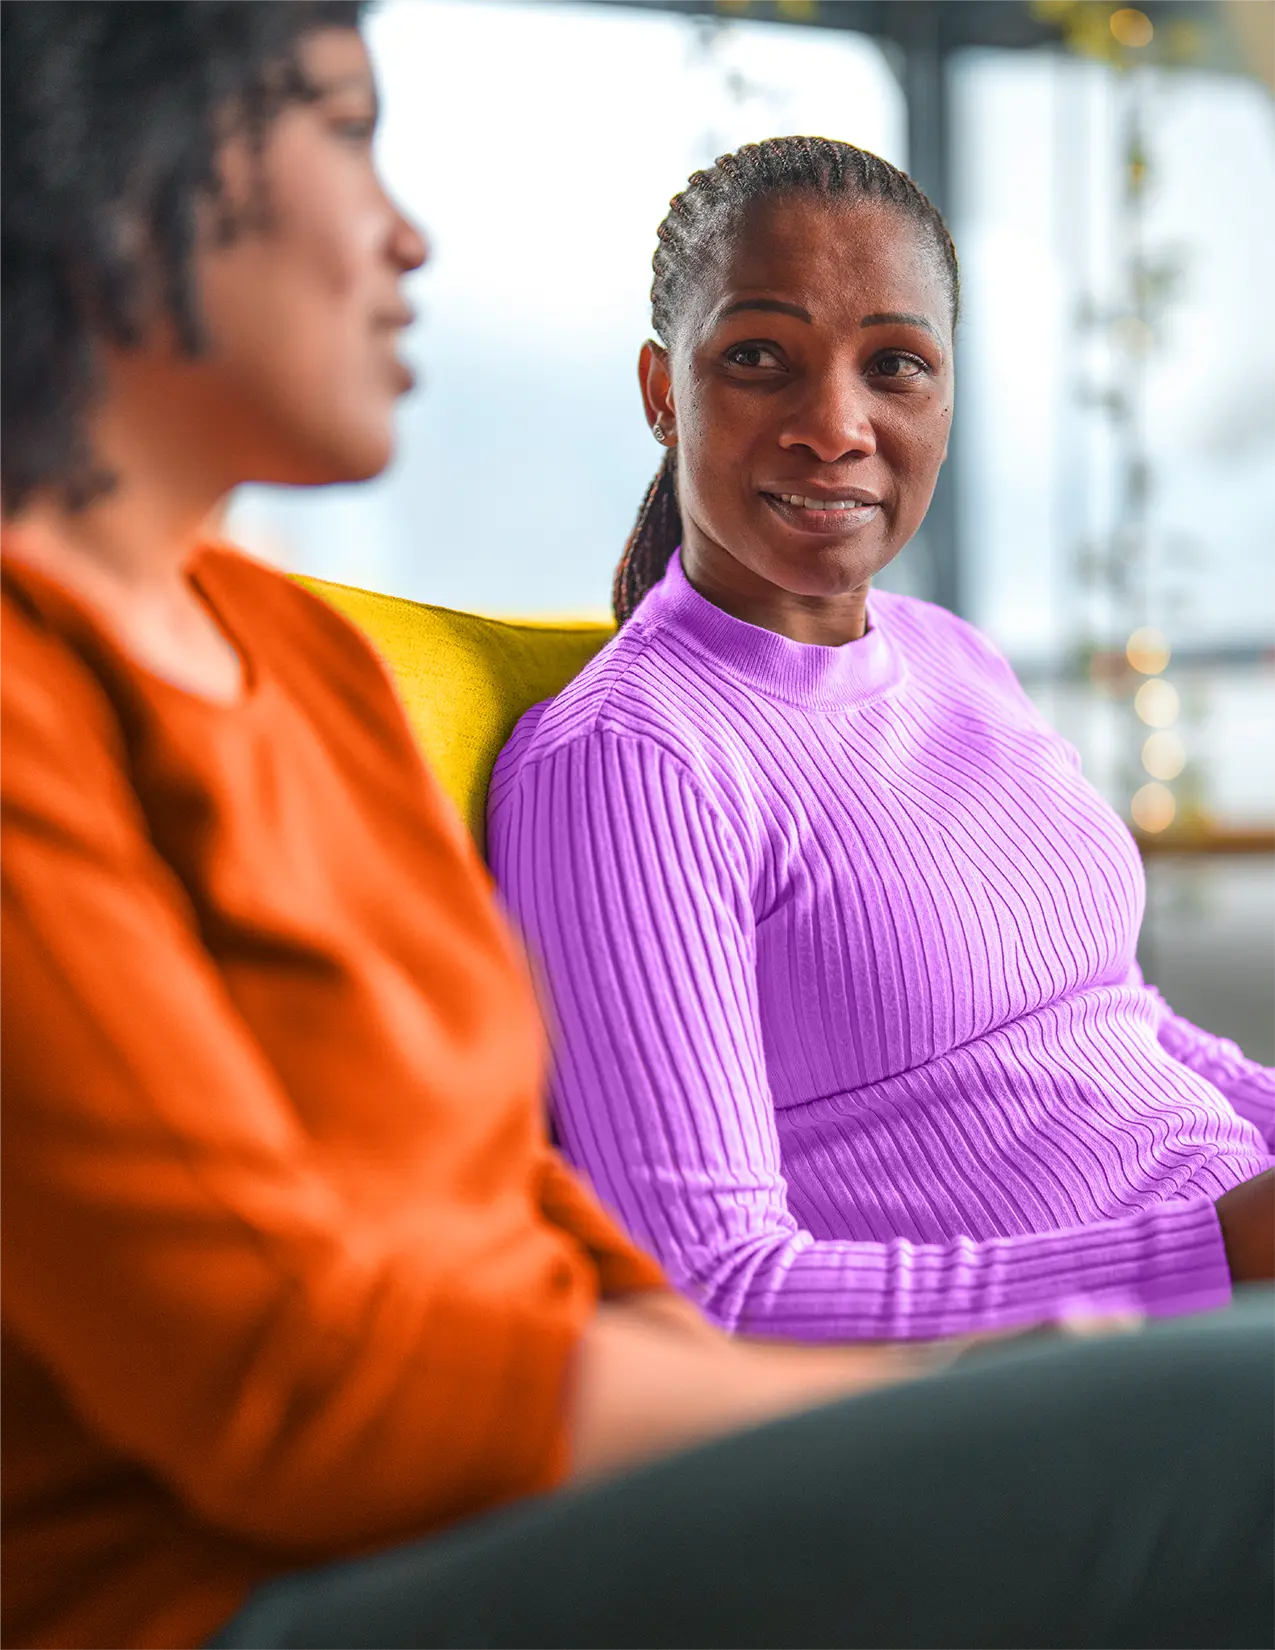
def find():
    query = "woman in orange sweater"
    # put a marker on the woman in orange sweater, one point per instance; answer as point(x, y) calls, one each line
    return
point(291, 1276)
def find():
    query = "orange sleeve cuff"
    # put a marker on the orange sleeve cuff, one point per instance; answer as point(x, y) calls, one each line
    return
point(622, 1267)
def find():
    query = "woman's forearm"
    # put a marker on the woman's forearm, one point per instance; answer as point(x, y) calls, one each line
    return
point(653, 1377)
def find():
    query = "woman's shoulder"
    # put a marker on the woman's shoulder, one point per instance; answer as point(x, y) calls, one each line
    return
point(632, 690)
point(925, 631)
point(632, 702)
point(48, 690)
point(65, 769)
point(321, 658)
point(276, 607)
point(913, 618)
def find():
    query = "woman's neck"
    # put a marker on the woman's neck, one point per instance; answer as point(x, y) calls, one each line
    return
point(126, 555)
point(825, 621)
point(134, 547)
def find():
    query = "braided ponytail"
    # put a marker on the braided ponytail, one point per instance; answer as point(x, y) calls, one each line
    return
point(705, 214)
point(657, 532)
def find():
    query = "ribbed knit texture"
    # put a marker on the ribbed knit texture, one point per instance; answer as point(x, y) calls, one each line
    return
point(837, 949)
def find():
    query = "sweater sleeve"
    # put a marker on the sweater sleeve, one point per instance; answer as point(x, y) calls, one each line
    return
point(1248, 1086)
point(632, 893)
point(298, 1373)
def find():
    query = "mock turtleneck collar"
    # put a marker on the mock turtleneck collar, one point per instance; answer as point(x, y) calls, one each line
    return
point(799, 673)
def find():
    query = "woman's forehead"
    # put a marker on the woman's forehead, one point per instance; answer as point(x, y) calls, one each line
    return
point(826, 257)
point(833, 264)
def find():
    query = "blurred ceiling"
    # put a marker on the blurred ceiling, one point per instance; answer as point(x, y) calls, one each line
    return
point(1227, 36)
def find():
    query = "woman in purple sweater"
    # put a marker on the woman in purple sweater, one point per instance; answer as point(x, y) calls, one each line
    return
point(837, 942)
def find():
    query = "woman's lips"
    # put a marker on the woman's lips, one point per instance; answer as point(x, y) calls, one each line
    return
point(848, 517)
point(391, 325)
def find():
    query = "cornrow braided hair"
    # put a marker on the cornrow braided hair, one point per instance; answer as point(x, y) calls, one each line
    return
point(701, 219)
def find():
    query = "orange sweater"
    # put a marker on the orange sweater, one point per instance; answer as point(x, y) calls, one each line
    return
point(290, 1271)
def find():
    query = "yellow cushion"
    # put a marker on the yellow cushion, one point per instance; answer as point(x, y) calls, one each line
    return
point(465, 680)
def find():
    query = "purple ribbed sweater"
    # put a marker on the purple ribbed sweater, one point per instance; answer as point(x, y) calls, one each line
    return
point(837, 949)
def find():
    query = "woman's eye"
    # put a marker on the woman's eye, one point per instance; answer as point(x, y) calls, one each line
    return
point(896, 364)
point(751, 355)
point(355, 131)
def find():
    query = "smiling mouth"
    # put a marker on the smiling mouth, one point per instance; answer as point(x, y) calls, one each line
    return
point(823, 515)
point(801, 502)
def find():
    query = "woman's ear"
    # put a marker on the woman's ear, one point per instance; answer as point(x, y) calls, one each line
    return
point(657, 390)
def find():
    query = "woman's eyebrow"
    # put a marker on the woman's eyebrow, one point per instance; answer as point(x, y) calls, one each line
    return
point(779, 306)
point(890, 318)
point(335, 85)
point(775, 306)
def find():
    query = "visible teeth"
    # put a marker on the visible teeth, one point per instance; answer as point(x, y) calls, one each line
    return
point(823, 503)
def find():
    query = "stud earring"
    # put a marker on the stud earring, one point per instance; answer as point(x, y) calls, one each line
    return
point(657, 430)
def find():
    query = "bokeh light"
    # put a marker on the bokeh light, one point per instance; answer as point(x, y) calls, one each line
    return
point(1164, 755)
point(1147, 650)
point(1153, 807)
point(1156, 703)
point(1132, 27)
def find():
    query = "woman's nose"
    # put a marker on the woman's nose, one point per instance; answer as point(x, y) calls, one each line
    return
point(410, 243)
point(833, 420)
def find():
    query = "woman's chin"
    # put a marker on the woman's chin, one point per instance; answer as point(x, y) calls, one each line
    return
point(367, 466)
point(365, 450)
point(336, 459)
point(831, 571)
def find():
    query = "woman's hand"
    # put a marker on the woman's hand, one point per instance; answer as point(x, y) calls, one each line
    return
point(1247, 1216)
point(1076, 1325)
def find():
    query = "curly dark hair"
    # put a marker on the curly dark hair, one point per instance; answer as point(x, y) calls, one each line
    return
point(708, 212)
point(112, 114)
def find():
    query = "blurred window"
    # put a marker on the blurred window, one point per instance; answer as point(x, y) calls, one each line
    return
point(1052, 335)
